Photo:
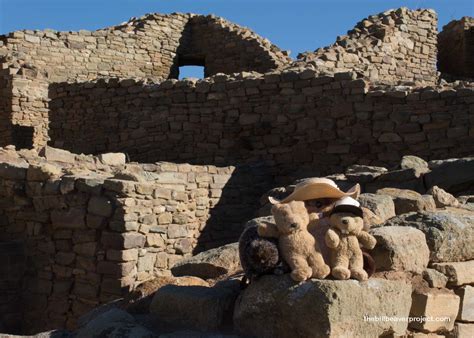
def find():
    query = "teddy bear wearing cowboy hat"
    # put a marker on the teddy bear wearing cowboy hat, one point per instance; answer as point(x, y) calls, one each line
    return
point(259, 255)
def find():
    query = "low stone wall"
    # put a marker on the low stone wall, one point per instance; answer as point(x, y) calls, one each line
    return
point(299, 123)
point(456, 48)
point(92, 228)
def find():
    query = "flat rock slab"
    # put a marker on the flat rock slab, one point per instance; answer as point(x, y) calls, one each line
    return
point(449, 233)
point(453, 175)
point(466, 310)
point(212, 263)
point(408, 200)
point(275, 306)
point(458, 273)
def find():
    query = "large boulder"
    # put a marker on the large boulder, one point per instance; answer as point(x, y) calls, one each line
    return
point(453, 175)
point(274, 306)
point(449, 233)
point(196, 307)
point(113, 323)
point(408, 200)
point(400, 249)
point(210, 264)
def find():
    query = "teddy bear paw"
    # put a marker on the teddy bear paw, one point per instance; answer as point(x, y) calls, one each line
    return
point(340, 272)
point(321, 272)
point(359, 274)
point(300, 275)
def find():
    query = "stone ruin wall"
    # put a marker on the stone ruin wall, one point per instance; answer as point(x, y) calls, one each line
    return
point(391, 47)
point(295, 122)
point(456, 48)
point(83, 238)
point(146, 47)
point(88, 239)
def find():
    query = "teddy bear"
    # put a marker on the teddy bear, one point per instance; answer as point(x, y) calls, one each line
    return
point(344, 238)
point(297, 246)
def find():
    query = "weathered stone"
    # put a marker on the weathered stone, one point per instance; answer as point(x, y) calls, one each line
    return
point(414, 162)
point(381, 205)
point(407, 201)
point(213, 263)
point(434, 303)
point(466, 310)
point(458, 273)
point(115, 269)
point(449, 233)
point(155, 239)
point(114, 240)
point(100, 206)
point(400, 249)
point(199, 307)
point(435, 278)
point(177, 231)
point(463, 330)
point(86, 249)
point(73, 218)
point(321, 308)
point(57, 155)
point(452, 175)
point(42, 172)
point(114, 322)
point(122, 255)
point(14, 171)
point(114, 159)
point(442, 198)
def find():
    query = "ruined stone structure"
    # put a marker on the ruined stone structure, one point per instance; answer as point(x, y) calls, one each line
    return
point(81, 230)
point(456, 48)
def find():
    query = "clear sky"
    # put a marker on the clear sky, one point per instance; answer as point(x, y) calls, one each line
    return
point(295, 25)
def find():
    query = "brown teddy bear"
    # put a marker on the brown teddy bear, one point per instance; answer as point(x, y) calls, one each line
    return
point(297, 246)
point(344, 238)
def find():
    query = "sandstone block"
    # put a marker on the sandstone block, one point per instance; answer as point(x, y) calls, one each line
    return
point(74, 218)
point(100, 206)
point(407, 200)
point(122, 255)
point(115, 269)
point(57, 155)
point(435, 278)
point(114, 159)
point(458, 273)
point(466, 310)
point(42, 172)
point(442, 198)
point(414, 162)
point(464, 330)
point(321, 308)
point(381, 205)
point(434, 303)
point(114, 240)
point(400, 248)
point(212, 263)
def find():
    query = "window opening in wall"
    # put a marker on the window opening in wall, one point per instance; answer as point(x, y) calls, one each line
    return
point(191, 71)
point(191, 66)
point(22, 136)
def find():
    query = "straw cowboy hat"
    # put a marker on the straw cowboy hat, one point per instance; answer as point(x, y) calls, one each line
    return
point(314, 188)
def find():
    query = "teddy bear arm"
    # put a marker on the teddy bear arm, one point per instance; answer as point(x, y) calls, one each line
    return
point(367, 240)
point(332, 239)
point(267, 230)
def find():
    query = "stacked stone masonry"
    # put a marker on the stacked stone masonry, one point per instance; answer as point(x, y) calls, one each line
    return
point(92, 228)
point(292, 121)
point(394, 46)
point(456, 48)
point(77, 231)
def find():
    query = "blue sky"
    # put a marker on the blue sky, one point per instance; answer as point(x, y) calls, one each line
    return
point(296, 25)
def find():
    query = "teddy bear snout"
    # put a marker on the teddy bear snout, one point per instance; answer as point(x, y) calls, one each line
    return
point(345, 221)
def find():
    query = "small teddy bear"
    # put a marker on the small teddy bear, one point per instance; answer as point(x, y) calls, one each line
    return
point(297, 246)
point(343, 238)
